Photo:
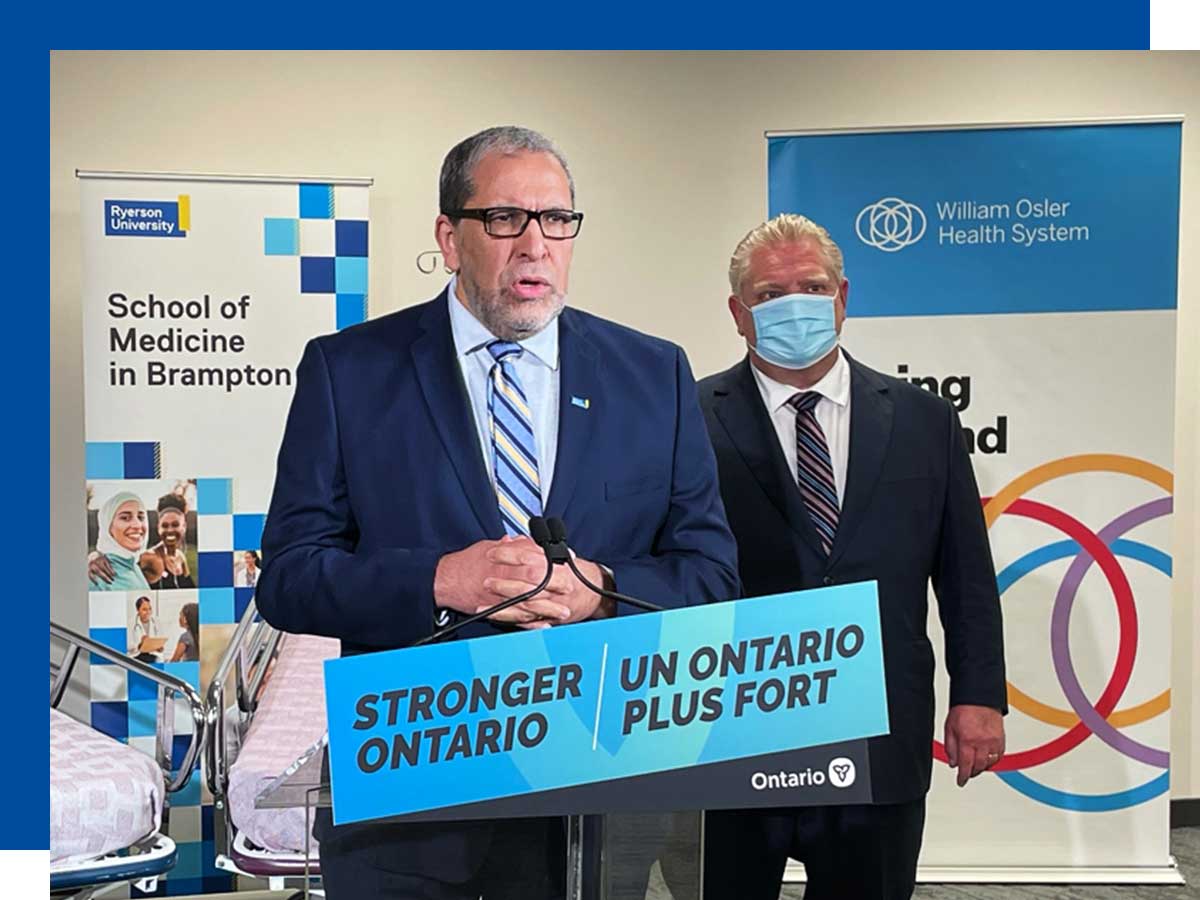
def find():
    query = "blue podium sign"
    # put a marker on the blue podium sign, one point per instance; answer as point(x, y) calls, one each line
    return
point(450, 725)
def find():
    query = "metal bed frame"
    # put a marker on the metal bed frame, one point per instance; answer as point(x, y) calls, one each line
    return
point(243, 669)
point(144, 861)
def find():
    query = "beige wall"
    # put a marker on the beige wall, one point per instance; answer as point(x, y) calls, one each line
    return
point(669, 156)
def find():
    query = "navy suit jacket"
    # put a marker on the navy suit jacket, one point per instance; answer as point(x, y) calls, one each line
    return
point(380, 475)
point(911, 515)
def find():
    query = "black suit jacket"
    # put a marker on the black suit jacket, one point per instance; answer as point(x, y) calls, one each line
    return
point(911, 515)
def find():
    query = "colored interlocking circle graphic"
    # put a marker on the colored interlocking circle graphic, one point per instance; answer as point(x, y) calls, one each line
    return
point(1085, 548)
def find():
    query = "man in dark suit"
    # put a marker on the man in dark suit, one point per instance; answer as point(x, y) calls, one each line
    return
point(418, 446)
point(833, 473)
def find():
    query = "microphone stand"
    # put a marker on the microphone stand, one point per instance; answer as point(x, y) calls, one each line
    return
point(612, 595)
point(558, 539)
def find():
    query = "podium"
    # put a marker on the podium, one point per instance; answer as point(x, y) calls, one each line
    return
point(619, 856)
point(627, 727)
point(642, 855)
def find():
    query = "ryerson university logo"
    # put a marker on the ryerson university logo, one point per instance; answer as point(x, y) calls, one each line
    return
point(891, 224)
point(840, 773)
point(148, 218)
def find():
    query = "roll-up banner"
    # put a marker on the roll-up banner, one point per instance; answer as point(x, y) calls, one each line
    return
point(1027, 274)
point(199, 294)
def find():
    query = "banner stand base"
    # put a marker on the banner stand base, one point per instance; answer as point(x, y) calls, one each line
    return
point(1168, 874)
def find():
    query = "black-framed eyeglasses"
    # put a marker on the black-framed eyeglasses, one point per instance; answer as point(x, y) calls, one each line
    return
point(511, 222)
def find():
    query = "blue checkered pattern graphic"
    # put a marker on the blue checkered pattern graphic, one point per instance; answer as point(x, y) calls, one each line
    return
point(115, 460)
point(342, 275)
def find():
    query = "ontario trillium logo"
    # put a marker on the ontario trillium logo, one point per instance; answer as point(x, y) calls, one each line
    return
point(842, 772)
point(890, 224)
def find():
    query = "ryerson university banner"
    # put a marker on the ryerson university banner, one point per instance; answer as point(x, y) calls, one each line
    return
point(199, 294)
point(1027, 274)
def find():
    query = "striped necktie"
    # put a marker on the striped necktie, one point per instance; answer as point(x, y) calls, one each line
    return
point(514, 450)
point(814, 468)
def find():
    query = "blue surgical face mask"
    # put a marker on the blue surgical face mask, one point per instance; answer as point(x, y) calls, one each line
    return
point(794, 331)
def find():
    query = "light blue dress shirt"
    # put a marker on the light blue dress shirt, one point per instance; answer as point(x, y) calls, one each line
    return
point(537, 368)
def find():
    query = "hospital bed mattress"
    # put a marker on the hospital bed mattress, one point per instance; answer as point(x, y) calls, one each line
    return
point(290, 718)
point(104, 795)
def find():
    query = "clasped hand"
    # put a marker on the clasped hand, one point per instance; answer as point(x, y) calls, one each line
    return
point(488, 572)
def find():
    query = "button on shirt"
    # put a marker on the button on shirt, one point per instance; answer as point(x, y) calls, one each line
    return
point(832, 412)
point(537, 369)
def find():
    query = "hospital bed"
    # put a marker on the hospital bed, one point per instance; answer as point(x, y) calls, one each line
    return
point(266, 715)
point(109, 801)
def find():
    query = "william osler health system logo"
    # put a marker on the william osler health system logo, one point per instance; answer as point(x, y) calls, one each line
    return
point(890, 224)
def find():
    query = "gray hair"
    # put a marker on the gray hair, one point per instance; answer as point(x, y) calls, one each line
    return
point(455, 187)
point(783, 229)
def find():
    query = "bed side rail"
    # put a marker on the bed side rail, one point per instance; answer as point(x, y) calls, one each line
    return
point(247, 658)
point(167, 685)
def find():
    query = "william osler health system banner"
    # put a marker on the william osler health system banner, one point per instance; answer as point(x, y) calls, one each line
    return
point(1027, 274)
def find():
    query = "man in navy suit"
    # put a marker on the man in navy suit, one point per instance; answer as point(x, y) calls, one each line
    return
point(834, 473)
point(419, 444)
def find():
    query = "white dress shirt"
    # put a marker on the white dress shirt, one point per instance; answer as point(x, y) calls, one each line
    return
point(537, 368)
point(832, 412)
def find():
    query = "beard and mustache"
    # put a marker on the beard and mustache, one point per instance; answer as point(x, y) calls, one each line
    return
point(507, 317)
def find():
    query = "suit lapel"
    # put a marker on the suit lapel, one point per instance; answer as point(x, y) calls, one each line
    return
point(580, 377)
point(870, 433)
point(739, 407)
point(449, 406)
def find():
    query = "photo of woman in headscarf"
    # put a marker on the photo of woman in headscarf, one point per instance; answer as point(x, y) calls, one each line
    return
point(121, 542)
point(188, 648)
point(169, 562)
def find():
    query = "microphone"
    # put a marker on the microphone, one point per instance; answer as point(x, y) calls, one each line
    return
point(537, 529)
point(552, 544)
point(558, 544)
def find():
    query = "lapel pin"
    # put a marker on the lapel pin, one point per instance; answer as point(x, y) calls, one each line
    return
point(581, 402)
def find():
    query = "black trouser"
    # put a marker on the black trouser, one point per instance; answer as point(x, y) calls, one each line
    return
point(526, 860)
point(849, 852)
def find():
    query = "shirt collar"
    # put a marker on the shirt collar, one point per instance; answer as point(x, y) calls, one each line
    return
point(470, 335)
point(835, 385)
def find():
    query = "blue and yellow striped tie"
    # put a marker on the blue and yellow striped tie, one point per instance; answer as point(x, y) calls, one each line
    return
point(514, 450)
